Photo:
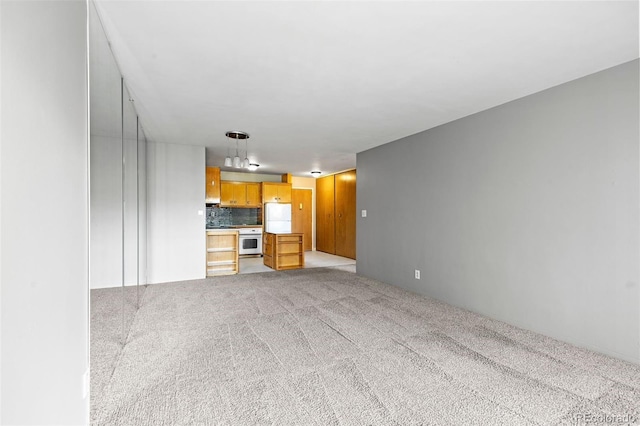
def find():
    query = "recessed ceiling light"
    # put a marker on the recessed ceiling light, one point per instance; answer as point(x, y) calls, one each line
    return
point(316, 173)
point(253, 167)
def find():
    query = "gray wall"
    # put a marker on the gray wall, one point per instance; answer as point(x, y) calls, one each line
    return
point(175, 212)
point(527, 212)
point(44, 217)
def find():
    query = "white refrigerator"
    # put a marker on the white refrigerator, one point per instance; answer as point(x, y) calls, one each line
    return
point(277, 218)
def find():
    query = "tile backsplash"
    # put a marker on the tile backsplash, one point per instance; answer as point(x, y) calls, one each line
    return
point(228, 216)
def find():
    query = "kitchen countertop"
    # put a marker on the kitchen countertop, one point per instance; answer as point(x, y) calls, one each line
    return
point(285, 233)
point(234, 227)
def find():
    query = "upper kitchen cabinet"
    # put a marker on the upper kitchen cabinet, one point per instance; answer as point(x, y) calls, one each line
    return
point(254, 195)
point(212, 186)
point(232, 194)
point(276, 192)
point(239, 194)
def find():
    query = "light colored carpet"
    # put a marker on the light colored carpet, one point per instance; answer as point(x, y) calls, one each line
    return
point(107, 331)
point(328, 347)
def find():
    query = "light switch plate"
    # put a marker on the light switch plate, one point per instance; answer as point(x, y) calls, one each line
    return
point(364, 213)
point(200, 213)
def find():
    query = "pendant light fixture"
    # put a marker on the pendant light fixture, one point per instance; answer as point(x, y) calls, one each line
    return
point(227, 160)
point(246, 163)
point(236, 160)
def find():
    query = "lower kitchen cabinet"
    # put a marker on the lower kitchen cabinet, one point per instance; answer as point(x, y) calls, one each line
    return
point(222, 253)
point(283, 251)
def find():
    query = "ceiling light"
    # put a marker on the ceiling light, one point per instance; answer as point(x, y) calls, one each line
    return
point(236, 159)
point(227, 160)
point(234, 134)
point(316, 173)
point(253, 167)
point(246, 163)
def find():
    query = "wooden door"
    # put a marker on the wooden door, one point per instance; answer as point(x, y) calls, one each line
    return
point(301, 215)
point(325, 222)
point(345, 211)
point(253, 194)
point(212, 185)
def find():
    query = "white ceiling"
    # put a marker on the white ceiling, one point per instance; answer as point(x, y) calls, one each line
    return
point(315, 82)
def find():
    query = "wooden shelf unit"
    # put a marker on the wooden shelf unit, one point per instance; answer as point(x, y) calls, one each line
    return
point(222, 253)
point(283, 251)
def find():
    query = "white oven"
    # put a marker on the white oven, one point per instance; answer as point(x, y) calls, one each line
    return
point(250, 241)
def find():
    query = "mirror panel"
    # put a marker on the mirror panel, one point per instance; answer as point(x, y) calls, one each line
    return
point(118, 195)
point(105, 175)
point(129, 205)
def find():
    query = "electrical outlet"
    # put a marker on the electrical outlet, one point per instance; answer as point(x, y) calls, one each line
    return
point(364, 213)
point(417, 274)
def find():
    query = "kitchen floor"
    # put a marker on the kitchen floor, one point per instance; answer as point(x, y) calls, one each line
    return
point(312, 259)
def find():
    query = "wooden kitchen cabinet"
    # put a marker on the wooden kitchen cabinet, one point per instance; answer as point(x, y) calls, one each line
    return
point(283, 251)
point(284, 193)
point(233, 194)
point(254, 195)
point(226, 194)
point(212, 185)
point(336, 214)
point(222, 253)
point(239, 194)
point(273, 192)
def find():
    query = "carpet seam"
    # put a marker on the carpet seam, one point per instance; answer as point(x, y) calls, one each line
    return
point(577, 399)
point(473, 390)
point(531, 349)
point(268, 346)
